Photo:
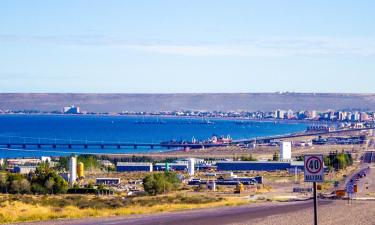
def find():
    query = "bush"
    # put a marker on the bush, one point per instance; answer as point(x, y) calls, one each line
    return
point(338, 160)
point(248, 158)
point(45, 180)
point(158, 183)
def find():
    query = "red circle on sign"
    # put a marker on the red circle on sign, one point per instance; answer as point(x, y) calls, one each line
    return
point(307, 163)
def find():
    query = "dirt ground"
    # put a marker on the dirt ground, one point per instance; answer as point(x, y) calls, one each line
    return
point(338, 212)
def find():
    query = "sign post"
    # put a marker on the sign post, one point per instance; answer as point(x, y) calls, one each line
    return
point(314, 172)
point(350, 191)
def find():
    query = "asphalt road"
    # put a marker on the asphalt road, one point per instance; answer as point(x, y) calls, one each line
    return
point(213, 216)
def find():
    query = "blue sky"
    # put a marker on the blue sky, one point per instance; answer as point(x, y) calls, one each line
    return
point(187, 46)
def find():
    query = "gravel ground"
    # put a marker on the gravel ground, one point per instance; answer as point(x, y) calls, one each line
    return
point(339, 212)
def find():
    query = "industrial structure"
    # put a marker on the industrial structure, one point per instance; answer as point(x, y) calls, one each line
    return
point(191, 166)
point(80, 170)
point(285, 151)
point(72, 170)
point(170, 166)
point(257, 165)
point(24, 169)
point(132, 166)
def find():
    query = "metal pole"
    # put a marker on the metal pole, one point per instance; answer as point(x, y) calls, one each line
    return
point(315, 206)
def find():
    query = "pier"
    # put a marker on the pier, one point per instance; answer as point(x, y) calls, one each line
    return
point(102, 145)
point(70, 144)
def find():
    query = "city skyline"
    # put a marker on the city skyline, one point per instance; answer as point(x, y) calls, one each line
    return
point(187, 47)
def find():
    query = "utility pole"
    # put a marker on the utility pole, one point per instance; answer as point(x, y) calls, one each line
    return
point(315, 205)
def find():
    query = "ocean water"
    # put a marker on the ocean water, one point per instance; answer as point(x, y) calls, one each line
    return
point(130, 129)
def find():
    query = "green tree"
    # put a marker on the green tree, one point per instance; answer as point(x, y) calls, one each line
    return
point(4, 182)
point(46, 180)
point(158, 183)
point(49, 184)
point(275, 156)
point(21, 186)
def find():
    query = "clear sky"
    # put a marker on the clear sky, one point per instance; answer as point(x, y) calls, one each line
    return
point(153, 46)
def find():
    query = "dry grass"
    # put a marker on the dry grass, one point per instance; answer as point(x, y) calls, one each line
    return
point(36, 208)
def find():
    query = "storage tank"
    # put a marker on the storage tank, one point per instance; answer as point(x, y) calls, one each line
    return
point(285, 150)
point(80, 170)
point(191, 166)
point(72, 170)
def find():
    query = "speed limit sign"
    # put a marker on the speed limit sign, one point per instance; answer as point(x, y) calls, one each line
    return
point(314, 171)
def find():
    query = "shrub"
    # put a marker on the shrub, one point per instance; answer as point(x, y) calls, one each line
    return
point(158, 183)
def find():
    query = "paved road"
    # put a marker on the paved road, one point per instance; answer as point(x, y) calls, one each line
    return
point(216, 216)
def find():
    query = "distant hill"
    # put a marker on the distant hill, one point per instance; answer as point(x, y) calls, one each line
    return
point(158, 102)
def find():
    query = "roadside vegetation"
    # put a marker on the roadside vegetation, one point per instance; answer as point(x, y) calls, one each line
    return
point(22, 208)
point(158, 183)
point(44, 180)
point(338, 161)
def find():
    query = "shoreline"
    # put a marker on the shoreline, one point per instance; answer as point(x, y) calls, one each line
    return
point(244, 119)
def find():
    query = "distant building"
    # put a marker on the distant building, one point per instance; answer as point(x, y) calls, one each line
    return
point(280, 114)
point(290, 114)
point(132, 167)
point(356, 116)
point(24, 169)
point(285, 150)
point(71, 110)
point(15, 162)
point(314, 114)
point(364, 116)
point(257, 165)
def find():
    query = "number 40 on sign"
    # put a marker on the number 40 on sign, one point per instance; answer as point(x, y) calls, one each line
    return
point(314, 171)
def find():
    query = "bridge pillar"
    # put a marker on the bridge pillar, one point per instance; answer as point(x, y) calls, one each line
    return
point(54, 146)
point(101, 146)
point(85, 146)
point(151, 146)
point(69, 146)
point(8, 145)
point(135, 146)
point(23, 146)
point(118, 146)
point(39, 146)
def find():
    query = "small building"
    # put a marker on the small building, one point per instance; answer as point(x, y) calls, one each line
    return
point(108, 181)
point(24, 169)
point(132, 167)
point(257, 165)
